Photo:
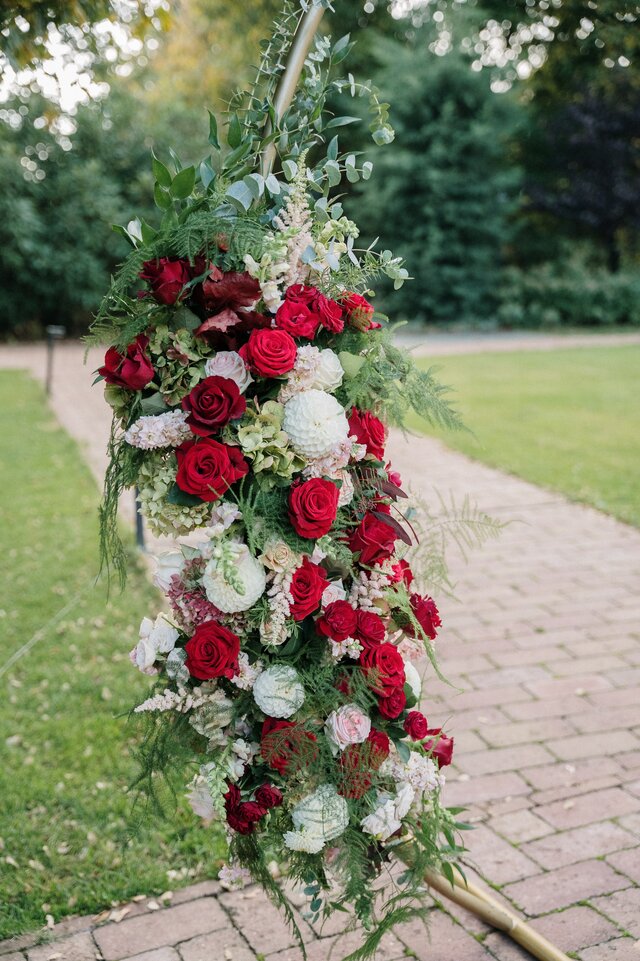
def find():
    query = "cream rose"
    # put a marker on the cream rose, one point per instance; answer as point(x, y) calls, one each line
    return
point(228, 363)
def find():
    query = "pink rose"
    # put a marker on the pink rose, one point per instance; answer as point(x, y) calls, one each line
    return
point(347, 725)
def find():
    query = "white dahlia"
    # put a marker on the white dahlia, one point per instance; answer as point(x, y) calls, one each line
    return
point(278, 691)
point(235, 581)
point(315, 422)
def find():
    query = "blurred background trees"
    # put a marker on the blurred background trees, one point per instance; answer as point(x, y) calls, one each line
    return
point(512, 187)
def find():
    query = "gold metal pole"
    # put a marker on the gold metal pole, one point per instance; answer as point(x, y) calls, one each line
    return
point(305, 32)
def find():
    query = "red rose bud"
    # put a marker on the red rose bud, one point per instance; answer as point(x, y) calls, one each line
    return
point(358, 311)
point(308, 584)
point(338, 621)
point(212, 651)
point(393, 705)
point(416, 725)
point(370, 628)
point(132, 370)
point(207, 469)
point(440, 747)
point(297, 319)
point(286, 747)
point(269, 353)
point(313, 506)
point(167, 278)
point(373, 540)
point(269, 796)
point(213, 403)
point(369, 431)
point(426, 614)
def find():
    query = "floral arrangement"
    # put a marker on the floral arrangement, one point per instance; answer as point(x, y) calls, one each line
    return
point(252, 382)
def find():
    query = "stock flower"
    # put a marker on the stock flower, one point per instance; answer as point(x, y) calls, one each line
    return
point(167, 277)
point(269, 353)
point(212, 651)
point(368, 431)
point(313, 506)
point(338, 621)
point(307, 587)
point(132, 370)
point(207, 468)
point(213, 403)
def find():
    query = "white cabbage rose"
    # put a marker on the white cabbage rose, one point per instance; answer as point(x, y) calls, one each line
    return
point(329, 372)
point(315, 423)
point(318, 818)
point(348, 725)
point(278, 691)
point(228, 363)
point(248, 574)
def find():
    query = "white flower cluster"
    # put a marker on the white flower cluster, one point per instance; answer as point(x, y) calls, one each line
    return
point(272, 268)
point(241, 755)
point(275, 630)
point(419, 772)
point(181, 701)
point(370, 586)
point(313, 369)
point(156, 637)
point(295, 222)
point(318, 818)
point(350, 647)
point(233, 877)
point(229, 364)
point(161, 430)
point(233, 579)
point(247, 673)
point(387, 817)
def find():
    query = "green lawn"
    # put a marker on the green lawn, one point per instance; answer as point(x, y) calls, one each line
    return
point(567, 419)
point(66, 839)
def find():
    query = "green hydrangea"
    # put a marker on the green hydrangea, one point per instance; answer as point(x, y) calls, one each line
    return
point(155, 480)
point(264, 443)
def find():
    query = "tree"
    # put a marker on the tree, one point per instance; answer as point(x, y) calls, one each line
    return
point(441, 195)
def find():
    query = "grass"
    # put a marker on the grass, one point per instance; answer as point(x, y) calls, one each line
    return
point(567, 419)
point(67, 841)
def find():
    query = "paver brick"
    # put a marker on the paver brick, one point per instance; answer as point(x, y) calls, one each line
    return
point(621, 949)
point(496, 859)
point(603, 744)
point(575, 928)
point(587, 808)
point(79, 947)
point(580, 844)
point(154, 930)
point(623, 907)
point(332, 949)
point(497, 760)
point(227, 945)
point(566, 886)
point(627, 862)
point(260, 921)
point(478, 789)
point(14, 956)
point(158, 954)
point(444, 939)
point(520, 826)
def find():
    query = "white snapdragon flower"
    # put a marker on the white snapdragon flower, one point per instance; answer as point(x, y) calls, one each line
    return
point(348, 725)
point(156, 637)
point(278, 691)
point(199, 798)
point(386, 819)
point(228, 363)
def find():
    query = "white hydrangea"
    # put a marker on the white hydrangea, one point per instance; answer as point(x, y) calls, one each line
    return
point(387, 817)
point(156, 637)
point(161, 430)
point(315, 423)
point(229, 363)
point(318, 818)
point(278, 691)
point(421, 773)
point(234, 562)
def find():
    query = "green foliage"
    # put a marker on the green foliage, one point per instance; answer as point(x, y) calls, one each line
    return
point(443, 193)
point(67, 748)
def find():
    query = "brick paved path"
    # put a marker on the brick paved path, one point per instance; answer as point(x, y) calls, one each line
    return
point(543, 647)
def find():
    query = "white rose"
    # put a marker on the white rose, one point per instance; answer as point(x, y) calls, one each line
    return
point(167, 564)
point(329, 372)
point(347, 725)
point(143, 656)
point(228, 363)
point(334, 592)
point(413, 679)
point(278, 691)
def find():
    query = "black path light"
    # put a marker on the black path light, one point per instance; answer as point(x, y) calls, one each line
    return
point(54, 332)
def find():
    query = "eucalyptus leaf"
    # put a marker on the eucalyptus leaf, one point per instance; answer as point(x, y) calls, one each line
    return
point(213, 131)
point(273, 185)
point(161, 197)
point(207, 174)
point(234, 133)
point(240, 195)
point(183, 183)
point(160, 172)
point(342, 121)
point(289, 169)
point(332, 149)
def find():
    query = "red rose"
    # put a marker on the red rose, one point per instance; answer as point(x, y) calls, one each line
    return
point(416, 725)
point(368, 430)
point(207, 468)
point(370, 628)
point(212, 652)
point(393, 476)
point(329, 313)
point(402, 572)
point(269, 353)
point(308, 585)
point(167, 278)
point(338, 621)
point(297, 319)
point(242, 816)
point(213, 403)
point(440, 747)
point(380, 747)
point(132, 370)
point(300, 294)
point(285, 746)
point(373, 540)
point(313, 506)
point(358, 311)
point(383, 665)
point(426, 614)
point(269, 796)
point(393, 704)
